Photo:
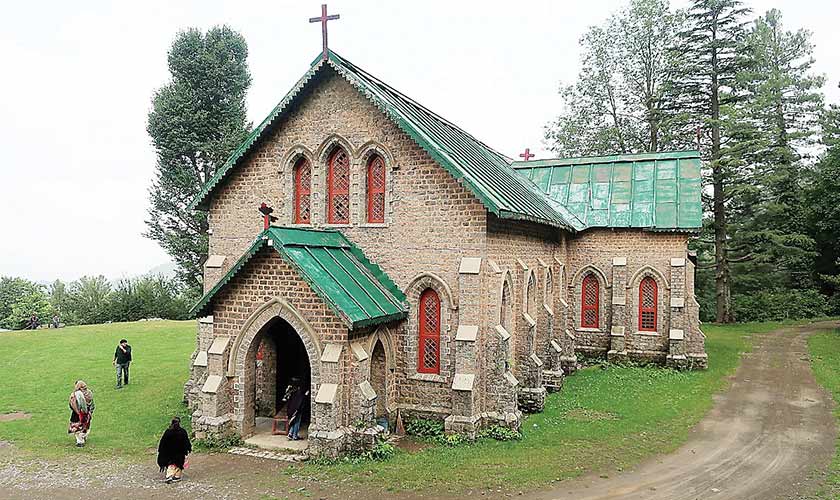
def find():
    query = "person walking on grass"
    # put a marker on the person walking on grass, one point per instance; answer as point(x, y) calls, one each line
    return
point(81, 408)
point(173, 450)
point(122, 358)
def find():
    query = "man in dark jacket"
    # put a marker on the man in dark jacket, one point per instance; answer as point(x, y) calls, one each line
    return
point(122, 358)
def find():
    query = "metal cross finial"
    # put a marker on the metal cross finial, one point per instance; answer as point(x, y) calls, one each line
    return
point(527, 154)
point(267, 217)
point(323, 20)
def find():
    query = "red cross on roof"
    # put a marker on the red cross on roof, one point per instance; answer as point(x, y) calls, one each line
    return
point(323, 20)
point(527, 154)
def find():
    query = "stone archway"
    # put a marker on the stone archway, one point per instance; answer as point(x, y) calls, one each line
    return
point(379, 378)
point(242, 361)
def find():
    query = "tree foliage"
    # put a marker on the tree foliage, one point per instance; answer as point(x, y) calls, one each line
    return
point(621, 99)
point(197, 120)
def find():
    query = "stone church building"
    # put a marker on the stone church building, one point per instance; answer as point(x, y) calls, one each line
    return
point(411, 268)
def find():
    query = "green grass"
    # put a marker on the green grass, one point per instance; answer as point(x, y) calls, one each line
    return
point(603, 419)
point(825, 363)
point(38, 370)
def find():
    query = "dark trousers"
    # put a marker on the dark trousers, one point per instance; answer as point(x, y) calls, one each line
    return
point(122, 374)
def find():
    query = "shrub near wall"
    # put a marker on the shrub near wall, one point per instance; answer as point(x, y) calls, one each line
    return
point(778, 305)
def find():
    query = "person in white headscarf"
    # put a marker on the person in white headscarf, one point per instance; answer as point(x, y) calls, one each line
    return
point(81, 407)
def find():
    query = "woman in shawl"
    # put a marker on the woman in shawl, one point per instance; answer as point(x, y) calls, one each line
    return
point(81, 408)
point(294, 397)
point(173, 450)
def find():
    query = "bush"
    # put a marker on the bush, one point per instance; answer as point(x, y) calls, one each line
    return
point(424, 427)
point(499, 433)
point(215, 442)
point(778, 305)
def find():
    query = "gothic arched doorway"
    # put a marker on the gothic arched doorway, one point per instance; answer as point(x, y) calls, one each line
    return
point(379, 379)
point(278, 358)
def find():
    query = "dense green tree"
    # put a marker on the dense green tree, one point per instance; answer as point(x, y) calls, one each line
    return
point(620, 99)
point(197, 120)
point(781, 109)
point(88, 300)
point(703, 77)
point(32, 302)
point(11, 291)
point(823, 198)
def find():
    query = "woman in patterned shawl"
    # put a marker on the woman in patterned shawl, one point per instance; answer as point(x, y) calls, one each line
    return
point(81, 408)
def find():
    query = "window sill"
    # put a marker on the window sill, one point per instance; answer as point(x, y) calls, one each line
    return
point(589, 330)
point(646, 333)
point(328, 225)
point(374, 224)
point(428, 377)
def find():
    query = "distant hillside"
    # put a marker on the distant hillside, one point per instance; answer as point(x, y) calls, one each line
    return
point(167, 270)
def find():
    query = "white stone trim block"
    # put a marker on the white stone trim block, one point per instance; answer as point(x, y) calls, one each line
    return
point(502, 332)
point(511, 378)
point(367, 390)
point(676, 334)
point(677, 302)
point(617, 331)
point(358, 351)
point(207, 320)
point(619, 261)
point(467, 333)
point(556, 346)
point(326, 394)
point(200, 359)
point(463, 382)
point(529, 320)
point(522, 264)
point(332, 353)
point(678, 262)
point(470, 265)
point(536, 360)
point(219, 345)
point(215, 261)
point(211, 385)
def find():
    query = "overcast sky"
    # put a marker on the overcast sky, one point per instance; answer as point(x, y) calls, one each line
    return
point(78, 78)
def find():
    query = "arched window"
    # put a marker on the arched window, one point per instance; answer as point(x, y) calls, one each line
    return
point(506, 312)
point(589, 302)
point(647, 305)
point(531, 295)
point(429, 346)
point(376, 189)
point(549, 289)
point(303, 189)
point(338, 188)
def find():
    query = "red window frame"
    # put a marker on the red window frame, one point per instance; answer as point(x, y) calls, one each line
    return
point(429, 331)
point(336, 193)
point(590, 281)
point(303, 192)
point(648, 313)
point(376, 190)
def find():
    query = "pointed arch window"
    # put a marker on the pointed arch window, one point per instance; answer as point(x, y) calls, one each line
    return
point(338, 188)
point(506, 312)
point(376, 190)
point(303, 190)
point(648, 295)
point(429, 341)
point(531, 295)
point(549, 289)
point(590, 294)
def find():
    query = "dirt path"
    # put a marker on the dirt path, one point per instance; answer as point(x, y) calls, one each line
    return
point(767, 437)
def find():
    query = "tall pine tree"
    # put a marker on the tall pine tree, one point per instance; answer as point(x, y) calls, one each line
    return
point(703, 77)
point(782, 107)
point(197, 120)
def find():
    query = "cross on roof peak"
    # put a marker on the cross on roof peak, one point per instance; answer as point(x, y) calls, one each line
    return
point(323, 18)
point(527, 155)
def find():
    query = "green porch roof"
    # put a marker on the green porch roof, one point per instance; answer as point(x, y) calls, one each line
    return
point(356, 289)
point(658, 191)
point(484, 171)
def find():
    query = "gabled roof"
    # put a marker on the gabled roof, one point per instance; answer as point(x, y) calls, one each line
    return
point(484, 171)
point(658, 191)
point(356, 289)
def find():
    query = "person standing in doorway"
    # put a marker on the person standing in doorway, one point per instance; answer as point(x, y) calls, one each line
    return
point(122, 358)
point(295, 395)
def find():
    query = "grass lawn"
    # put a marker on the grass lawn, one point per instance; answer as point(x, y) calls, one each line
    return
point(603, 419)
point(38, 369)
point(825, 362)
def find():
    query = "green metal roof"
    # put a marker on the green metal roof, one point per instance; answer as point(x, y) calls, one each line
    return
point(485, 172)
point(659, 191)
point(356, 289)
